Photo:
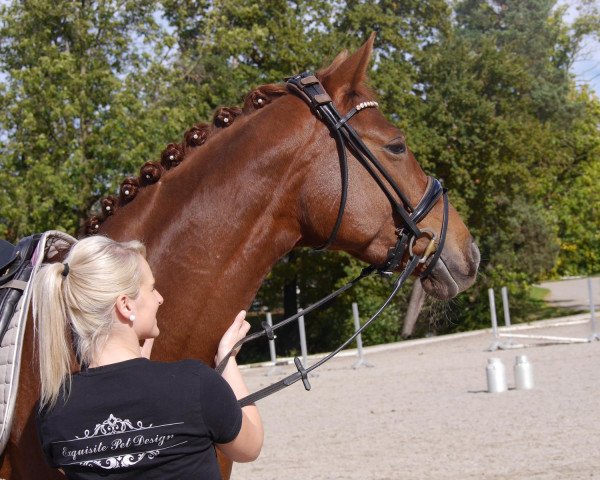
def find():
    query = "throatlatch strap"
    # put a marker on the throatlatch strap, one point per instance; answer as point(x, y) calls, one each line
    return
point(344, 174)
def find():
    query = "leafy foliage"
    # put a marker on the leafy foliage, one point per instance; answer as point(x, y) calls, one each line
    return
point(484, 90)
point(63, 93)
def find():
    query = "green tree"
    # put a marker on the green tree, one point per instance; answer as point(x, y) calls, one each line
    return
point(575, 198)
point(71, 96)
point(405, 32)
point(228, 47)
point(91, 90)
point(498, 116)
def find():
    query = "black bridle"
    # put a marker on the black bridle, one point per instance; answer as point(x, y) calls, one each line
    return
point(310, 89)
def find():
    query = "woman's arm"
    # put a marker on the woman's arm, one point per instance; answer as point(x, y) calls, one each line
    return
point(247, 445)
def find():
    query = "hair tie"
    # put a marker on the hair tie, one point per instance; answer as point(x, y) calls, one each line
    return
point(65, 271)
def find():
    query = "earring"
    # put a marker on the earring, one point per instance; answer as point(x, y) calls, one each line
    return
point(132, 317)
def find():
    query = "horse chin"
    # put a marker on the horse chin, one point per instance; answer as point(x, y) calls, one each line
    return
point(440, 283)
point(450, 276)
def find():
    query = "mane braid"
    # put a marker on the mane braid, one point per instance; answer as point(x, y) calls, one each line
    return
point(175, 153)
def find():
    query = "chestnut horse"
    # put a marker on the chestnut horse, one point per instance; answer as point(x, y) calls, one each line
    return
point(266, 179)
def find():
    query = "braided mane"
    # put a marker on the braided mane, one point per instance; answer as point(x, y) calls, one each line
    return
point(175, 153)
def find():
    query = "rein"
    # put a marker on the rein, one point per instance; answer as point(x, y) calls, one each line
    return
point(310, 89)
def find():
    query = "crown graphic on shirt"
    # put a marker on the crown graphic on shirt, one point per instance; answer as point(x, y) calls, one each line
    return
point(113, 425)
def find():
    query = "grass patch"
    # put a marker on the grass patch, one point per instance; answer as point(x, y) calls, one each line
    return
point(535, 307)
point(537, 293)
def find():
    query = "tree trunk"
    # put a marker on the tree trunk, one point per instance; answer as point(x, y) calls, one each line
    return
point(417, 298)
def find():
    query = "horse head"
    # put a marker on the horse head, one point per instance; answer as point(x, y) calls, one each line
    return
point(369, 224)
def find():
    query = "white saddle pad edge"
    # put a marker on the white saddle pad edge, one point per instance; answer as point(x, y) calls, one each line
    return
point(19, 322)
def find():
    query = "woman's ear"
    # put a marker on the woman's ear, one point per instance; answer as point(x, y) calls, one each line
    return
point(123, 307)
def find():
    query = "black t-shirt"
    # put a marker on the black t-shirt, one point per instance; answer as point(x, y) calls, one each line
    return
point(141, 419)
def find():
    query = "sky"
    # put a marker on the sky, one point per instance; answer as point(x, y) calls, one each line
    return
point(587, 67)
point(587, 64)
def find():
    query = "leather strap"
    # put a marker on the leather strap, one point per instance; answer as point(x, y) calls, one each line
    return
point(269, 331)
point(303, 370)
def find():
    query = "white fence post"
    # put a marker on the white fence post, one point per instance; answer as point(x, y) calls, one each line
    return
point(359, 346)
point(271, 342)
point(496, 343)
point(505, 306)
point(303, 348)
point(506, 310)
point(594, 335)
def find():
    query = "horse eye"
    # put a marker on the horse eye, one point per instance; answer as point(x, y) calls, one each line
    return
point(397, 147)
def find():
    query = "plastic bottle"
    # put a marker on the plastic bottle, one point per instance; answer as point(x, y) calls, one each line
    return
point(523, 373)
point(496, 375)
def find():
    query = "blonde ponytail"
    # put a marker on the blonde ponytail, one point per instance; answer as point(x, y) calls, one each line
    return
point(52, 327)
point(73, 306)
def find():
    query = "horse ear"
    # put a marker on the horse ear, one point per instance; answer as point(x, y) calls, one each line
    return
point(346, 73)
point(339, 59)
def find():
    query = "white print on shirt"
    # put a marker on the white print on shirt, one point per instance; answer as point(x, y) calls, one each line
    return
point(110, 438)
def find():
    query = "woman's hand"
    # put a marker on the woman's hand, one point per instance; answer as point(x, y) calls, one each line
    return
point(238, 330)
point(247, 445)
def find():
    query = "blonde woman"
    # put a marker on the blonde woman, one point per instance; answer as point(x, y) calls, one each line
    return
point(124, 415)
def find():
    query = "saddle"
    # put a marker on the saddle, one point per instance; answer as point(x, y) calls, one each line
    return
point(18, 266)
point(8, 254)
point(15, 271)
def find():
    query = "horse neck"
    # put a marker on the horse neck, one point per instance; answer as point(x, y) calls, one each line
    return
point(214, 227)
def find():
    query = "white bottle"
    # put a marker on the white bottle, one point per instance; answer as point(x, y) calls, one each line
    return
point(496, 375)
point(523, 373)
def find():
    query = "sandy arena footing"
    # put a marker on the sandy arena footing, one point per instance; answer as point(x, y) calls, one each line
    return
point(423, 412)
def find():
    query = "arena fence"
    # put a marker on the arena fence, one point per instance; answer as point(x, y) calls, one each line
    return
point(510, 332)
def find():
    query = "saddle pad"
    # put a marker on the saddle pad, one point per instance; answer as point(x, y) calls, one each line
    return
point(50, 246)
point(14, 279)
